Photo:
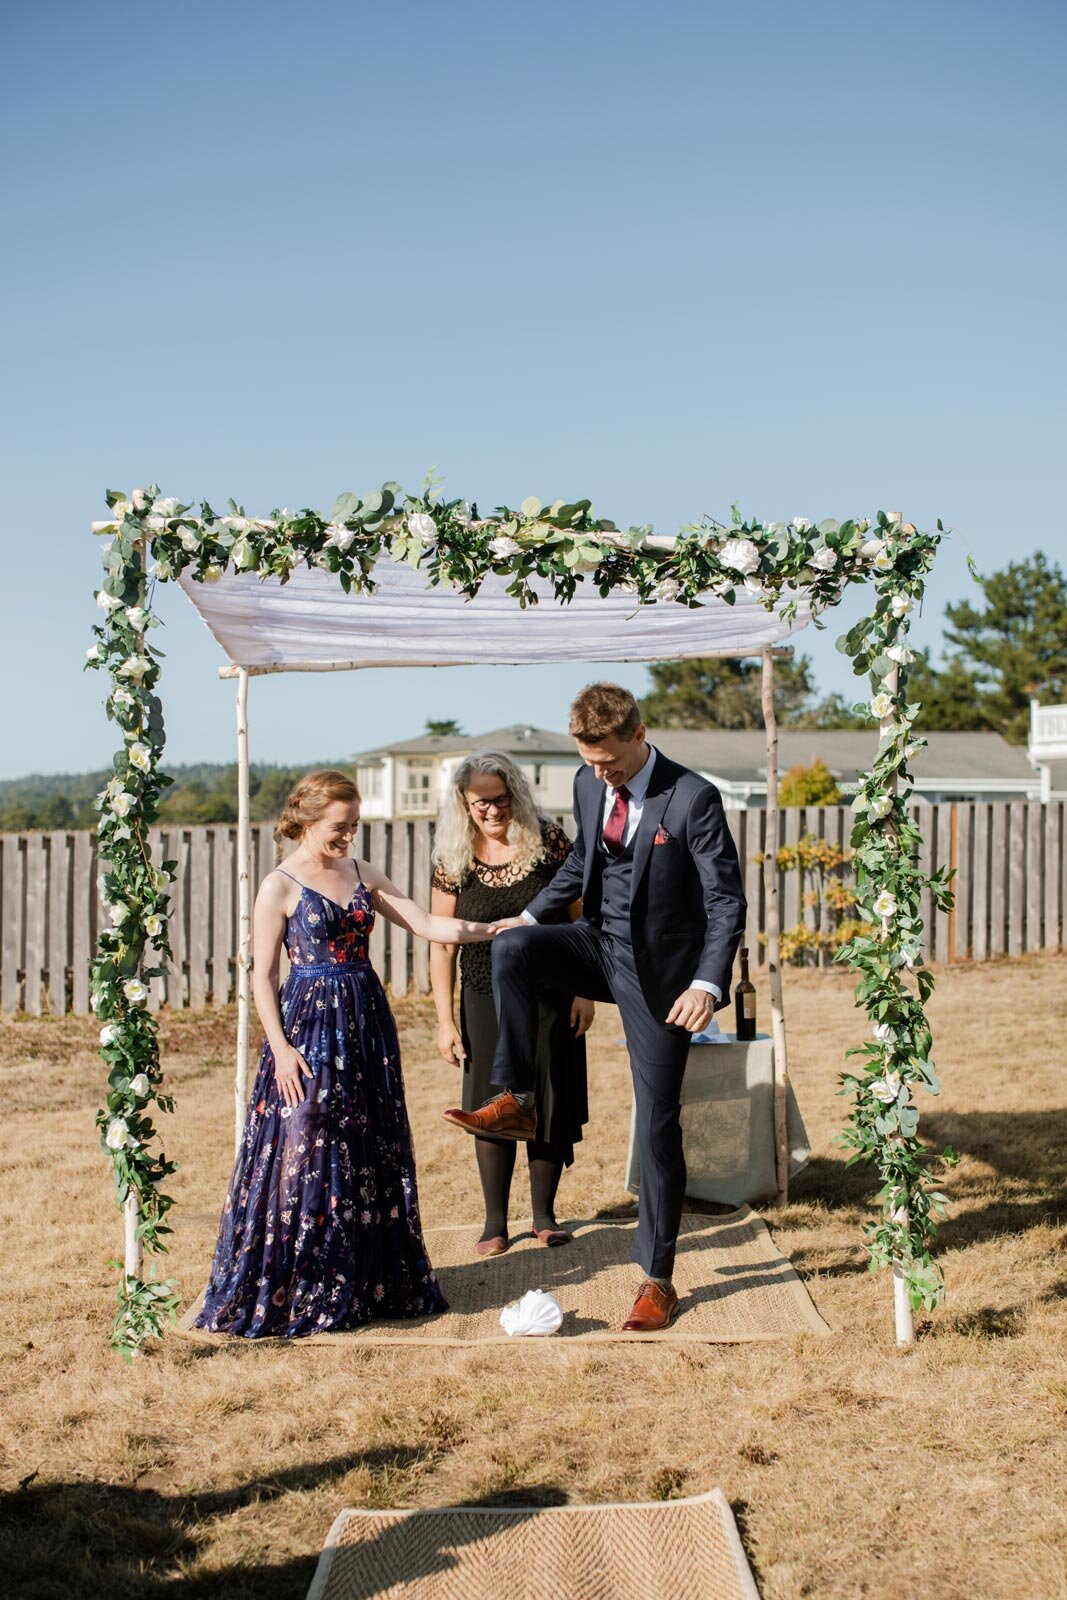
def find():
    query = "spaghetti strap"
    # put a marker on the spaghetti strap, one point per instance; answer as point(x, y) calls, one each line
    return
point(289, 875)
point(359, 875)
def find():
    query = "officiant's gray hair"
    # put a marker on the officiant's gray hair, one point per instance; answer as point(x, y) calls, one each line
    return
point(457, 830)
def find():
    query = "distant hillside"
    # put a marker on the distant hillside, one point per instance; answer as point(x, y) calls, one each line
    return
point(203, 791)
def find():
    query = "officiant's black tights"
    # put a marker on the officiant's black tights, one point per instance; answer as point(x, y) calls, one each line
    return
point(496, 1166)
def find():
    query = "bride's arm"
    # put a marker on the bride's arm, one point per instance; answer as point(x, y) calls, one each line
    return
point(268, 935)
point(397, 907)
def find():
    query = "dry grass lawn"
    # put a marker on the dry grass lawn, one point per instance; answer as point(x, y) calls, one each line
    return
point(854, 1470)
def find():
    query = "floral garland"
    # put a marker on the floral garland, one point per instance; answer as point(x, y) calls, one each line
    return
point(149, 537)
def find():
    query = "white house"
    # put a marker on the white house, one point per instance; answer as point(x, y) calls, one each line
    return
point(409, 779)
point(1047, 749)
point(954, 766)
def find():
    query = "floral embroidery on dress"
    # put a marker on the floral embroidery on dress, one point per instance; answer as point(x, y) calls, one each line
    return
point(291, 1258)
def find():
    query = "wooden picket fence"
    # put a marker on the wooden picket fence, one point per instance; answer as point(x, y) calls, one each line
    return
point(1011, 896)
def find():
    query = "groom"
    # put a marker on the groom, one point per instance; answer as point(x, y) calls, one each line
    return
point(663, 912)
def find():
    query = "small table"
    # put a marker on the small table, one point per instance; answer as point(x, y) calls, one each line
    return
point(728, 1124)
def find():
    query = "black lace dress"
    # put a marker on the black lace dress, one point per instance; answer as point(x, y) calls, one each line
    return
point(486, 894)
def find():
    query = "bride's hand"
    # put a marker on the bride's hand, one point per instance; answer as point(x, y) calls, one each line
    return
point(288, 1065)
point(450, 1044)
point(504, 924)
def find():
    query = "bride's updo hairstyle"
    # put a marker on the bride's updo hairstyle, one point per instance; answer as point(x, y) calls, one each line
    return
point(310, 799)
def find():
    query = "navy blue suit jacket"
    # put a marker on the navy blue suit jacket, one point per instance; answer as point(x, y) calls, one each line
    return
point(687, 906)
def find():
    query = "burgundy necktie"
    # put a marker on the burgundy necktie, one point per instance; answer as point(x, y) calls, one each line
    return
point(615, 827)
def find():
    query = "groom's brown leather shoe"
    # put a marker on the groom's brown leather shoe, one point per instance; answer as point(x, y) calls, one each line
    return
point(500, 1118)
point(653, 1309)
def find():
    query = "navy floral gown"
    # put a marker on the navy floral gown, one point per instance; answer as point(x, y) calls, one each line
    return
point(321, 1224)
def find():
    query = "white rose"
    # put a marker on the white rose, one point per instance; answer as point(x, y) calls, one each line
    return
point(242, 555)
point(107, 602)
point(190, 540)
point(122, 803)
point(739, 555)
point(774, 527)
point(165, 508)
point(754, 587)
point(135, 991)
point(339, 536)
point(118, 913)
point(160, 879)
point(135, 667)
point(155, 524)
point(881, 706)
point(153, 925)
point(212, 573)
point(122, 697)
point(898, 1214)
point(883, 562)
point(801, 524)
point(825, 559)
point(108, 1033)
point(667, 589)
point(122, 831)
point(885, 906)
point(882, 1032)
point(117, 1134)
point(140, 756)
point(881, 806)
point(94, 653)
point(886, 1089)
point(421, 526)
point(140, 1085)
point(236, 524)
point(893, 518)
point(137, 617)
point(900, 605)
point(138, 499)
point(120, 509)
point(162, 570)
point(503, 547)
point(872, 548)
point(900, 654)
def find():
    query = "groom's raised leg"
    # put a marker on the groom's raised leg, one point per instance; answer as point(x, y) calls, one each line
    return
point(567, 956)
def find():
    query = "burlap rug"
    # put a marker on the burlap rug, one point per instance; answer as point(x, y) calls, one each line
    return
point(673, 1550)
point(733, 1284)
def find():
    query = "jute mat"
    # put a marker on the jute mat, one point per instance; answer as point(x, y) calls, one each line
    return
point(733, 1283)
point(673, 1550)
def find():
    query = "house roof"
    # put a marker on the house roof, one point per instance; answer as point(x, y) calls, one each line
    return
point(740, 756)
point(519, 738)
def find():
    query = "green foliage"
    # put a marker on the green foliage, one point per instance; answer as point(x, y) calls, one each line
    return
point(1015, 648)
point(445, 728)
point(809, 786)
point(565, 544)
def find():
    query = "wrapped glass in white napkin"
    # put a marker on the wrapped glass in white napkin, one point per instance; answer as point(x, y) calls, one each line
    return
point(537, 1313)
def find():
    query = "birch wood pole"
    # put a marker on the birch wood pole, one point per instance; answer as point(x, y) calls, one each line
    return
point(133, 1253)
point(244, 910)
point(901, 1303)
point(773, 929)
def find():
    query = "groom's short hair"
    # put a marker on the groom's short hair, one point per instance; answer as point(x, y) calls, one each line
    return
point(604, 711)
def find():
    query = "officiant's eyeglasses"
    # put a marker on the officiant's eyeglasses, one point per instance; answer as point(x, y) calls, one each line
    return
point(499, 802)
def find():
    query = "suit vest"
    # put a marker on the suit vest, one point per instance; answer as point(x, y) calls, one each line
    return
point(616, 876)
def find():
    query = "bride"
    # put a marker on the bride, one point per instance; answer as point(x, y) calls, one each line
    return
point(321, 1225)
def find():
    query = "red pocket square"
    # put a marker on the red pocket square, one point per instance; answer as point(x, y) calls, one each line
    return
point(662, 836)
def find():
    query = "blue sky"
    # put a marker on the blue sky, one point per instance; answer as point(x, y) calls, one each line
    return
point(806, 258)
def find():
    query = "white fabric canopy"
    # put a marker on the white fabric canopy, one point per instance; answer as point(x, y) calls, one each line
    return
point(310, 624)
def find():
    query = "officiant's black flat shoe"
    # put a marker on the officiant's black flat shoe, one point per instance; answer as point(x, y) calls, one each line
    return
point(552, 1237)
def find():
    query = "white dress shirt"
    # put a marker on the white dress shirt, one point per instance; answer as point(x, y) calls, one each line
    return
point(637, 789)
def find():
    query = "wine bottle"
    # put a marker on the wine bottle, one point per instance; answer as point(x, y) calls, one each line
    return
point(745, 1001)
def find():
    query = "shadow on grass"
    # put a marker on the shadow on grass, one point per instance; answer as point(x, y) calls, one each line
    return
point(128, 1543)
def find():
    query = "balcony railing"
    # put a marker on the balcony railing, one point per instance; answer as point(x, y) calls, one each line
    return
point(418, 803)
